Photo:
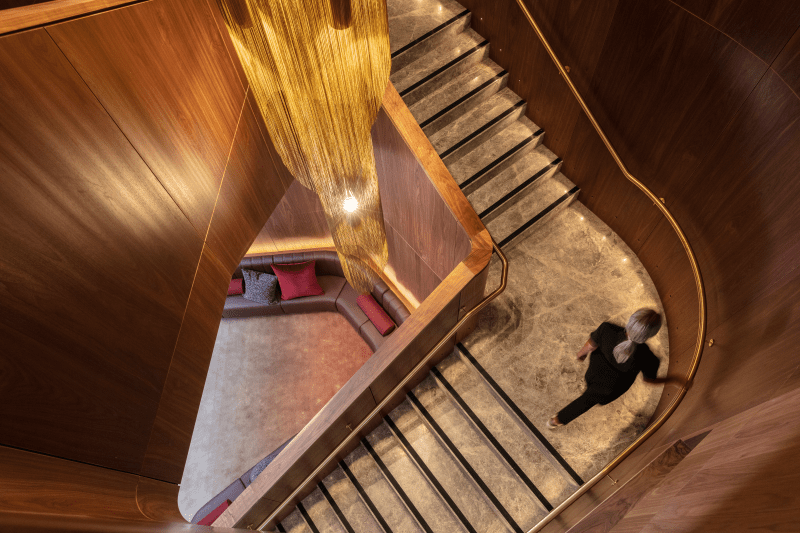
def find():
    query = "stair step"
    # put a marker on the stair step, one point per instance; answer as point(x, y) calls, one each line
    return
point(376, 488)
point(350, 502)
point(436, 68)
point(345, 523)
point(320, 514)
point(526, 449)
point(493, 156)
point(444, 467)
point(294, 523)
point(530, 206)
point(489, 199)
point(533, 435)
point(457, 97)
point(477, 125)
point(518, 506)
point(436, 515)
point(414, 30)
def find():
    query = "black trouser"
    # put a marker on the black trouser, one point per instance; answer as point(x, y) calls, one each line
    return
point(581, 404)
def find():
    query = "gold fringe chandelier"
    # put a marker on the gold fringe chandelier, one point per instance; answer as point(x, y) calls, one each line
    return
point(318, 70)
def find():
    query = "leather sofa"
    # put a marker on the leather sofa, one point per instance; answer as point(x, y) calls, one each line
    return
point(339, 295)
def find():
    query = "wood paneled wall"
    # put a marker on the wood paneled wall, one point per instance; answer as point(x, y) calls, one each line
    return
point(135, 175)
point(700, 98)
point(419, 258)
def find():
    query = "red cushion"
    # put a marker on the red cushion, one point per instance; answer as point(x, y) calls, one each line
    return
point(382, 322)
point(235, 287)
point(213, 515)
point(297, 279)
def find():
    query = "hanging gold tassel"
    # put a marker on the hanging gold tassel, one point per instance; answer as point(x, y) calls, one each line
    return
point(318, 70)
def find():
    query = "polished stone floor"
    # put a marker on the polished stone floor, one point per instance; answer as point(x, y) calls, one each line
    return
point(268, 377)
point(565, 278)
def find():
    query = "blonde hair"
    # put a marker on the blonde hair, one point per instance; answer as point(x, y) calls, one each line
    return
point(642, 325)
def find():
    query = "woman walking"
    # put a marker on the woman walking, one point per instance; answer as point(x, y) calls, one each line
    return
point(617, 356)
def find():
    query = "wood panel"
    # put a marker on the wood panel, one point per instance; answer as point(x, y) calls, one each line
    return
point(250, 191)
point(172, 429)
point(162, 71)
point(31, 13)
point(94, 253)
point(26, 523)
point(787, 64)
point(745, 480)
point(411, 204)
point(605, 516)
point(408, 268)
point(39, 484)
point(298, 222)
point(762, 29)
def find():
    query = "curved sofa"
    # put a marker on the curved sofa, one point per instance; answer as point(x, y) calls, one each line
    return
point(339, 295)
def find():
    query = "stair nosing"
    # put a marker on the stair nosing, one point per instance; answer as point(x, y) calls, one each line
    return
point(428, 474)
point(365, 498)
point(336, 509)
point(493, 386)
point(510, 153)
point(310, 523)
point(500, 509)
point(499, 76)
point(558, 201)
point(396, 487)
point(482, 129)
point(435, 30)
point(443, 68)
point(519, 188)
point(479, 426)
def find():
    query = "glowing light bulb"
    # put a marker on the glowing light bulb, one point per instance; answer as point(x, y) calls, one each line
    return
point(350, 204)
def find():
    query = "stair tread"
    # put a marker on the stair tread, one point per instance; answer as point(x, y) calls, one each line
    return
point(530, 202)
point(446, 470)
point(513, 176)
point(528, 456)
point(294, 523)
point(349, 502)
point(381, 492)
point(460, 86)
point(409, 21)
point(475, 118)
point(520, 503)
point(422, 495)
point(435, 59)
point(322, 514)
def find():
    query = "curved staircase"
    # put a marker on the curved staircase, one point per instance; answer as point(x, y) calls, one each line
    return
point(457, 454)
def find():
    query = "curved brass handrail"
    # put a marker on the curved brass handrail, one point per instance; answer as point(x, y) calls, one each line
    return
point(399, 387)
point(698, 279)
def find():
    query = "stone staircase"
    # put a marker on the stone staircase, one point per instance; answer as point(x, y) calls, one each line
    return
point(457, 454)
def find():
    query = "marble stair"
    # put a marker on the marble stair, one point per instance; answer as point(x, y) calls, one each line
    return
point(457, 454)
point(477, 125)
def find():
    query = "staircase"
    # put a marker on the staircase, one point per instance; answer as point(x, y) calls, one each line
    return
point(457, 454)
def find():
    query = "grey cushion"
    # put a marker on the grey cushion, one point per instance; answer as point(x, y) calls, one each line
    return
point(260, 287)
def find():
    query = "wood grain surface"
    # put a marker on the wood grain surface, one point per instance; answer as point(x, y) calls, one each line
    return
point(95, 253)
point(250, 191)
point(762, 28)
point(162, 71)
point(38, 13)
point(686, 94)
point(608, 514)
point(171, 433)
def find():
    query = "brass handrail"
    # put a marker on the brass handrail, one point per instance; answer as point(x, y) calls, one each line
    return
point(698, 279)
point(398, 388)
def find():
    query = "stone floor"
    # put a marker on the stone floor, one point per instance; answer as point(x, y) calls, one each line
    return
point(565, 278)
point(268, 377)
